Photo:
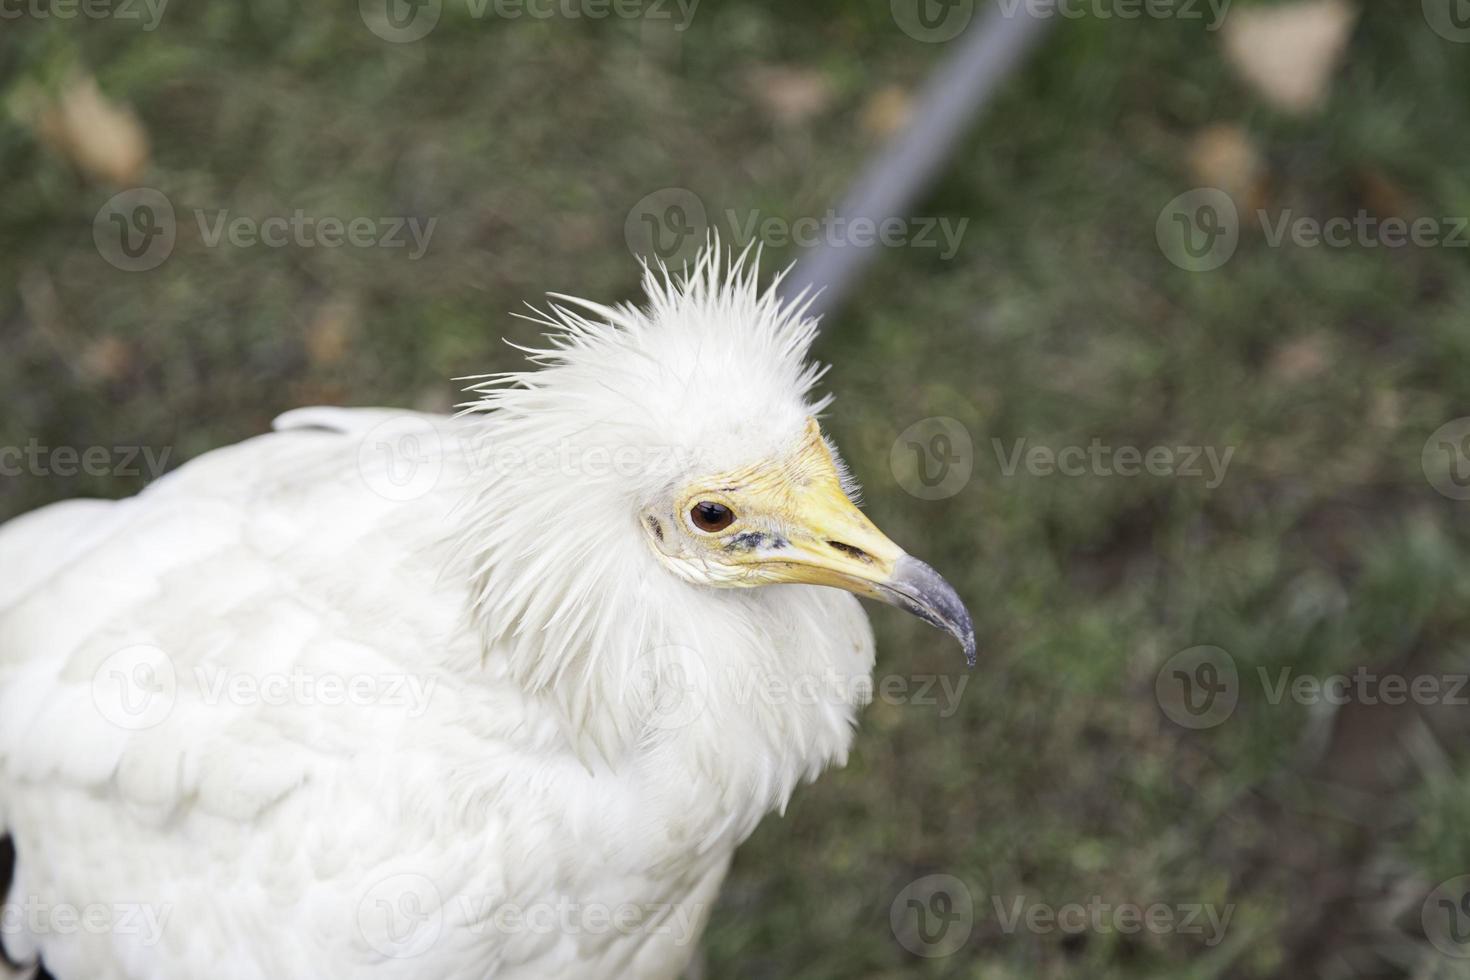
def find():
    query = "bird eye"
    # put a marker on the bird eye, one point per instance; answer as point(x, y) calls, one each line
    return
point(710, 516)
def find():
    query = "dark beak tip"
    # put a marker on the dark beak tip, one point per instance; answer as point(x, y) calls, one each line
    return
point(964, 631)
point(922, 591)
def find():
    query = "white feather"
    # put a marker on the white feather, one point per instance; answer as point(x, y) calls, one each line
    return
point(540, 769)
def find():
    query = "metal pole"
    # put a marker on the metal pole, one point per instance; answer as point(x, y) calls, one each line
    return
point(960, 89)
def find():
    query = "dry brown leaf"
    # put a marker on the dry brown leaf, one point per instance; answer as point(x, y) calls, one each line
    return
point(1384, 196)
point(887, 111)
point(1289, 52)
point(1224, 156)
point(107, 358)
point(1387, 409)
point(576, 231)
point(329, 335)
point(791, 95)
point(103, 139)
point(1302, 359)
point(316, 393)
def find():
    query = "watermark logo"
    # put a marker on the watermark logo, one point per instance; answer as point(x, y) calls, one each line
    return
point(933, 916)
point(1199, 230)
point(668, 688)
point(401, 459)
point(1450, 19)
point(136, 687)
point(1446, 459)
point(1445, 917)
point(1198, 688)
point(934, 458)
point(667, 227)
point(401, 916)
point(401, 21)
point(135, 230)
point(932, 21)
point(1201, 687)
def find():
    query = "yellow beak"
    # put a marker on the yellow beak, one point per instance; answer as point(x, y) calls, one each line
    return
point(828, 541)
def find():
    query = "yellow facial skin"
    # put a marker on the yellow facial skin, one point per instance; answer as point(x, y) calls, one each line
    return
point(794, 523)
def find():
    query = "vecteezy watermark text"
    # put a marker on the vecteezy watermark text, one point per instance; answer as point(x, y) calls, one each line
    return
point(1201, 687)
point(834, 230)
point(673, 692)
point(672, 224)
point(139, 686)
point(1099, 459)
point(1364, 686)
point(403, 21)
point(403, 916)
point(934, 916)
point(1205, 920)
point(1363, 230)
point(147, 12)
point(405, 457)
point(1200, 230)
point(136, 230)
point(564, 917)
point(32, 916)
point(303, 230)
point(307, 687)
point(37, 459)
point(1213, 11)
point(937, 21)
point(935, 457)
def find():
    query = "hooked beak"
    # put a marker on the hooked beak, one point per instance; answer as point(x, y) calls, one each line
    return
point(831, 542)
point(919, 589)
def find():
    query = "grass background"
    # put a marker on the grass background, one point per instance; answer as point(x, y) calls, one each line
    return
point(1059, 321)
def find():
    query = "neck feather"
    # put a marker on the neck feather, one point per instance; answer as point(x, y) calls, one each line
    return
point(745, 692)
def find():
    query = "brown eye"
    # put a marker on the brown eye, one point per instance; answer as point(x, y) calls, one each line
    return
point(710, 516)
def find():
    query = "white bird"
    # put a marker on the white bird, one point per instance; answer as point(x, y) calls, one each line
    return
point(391, 695)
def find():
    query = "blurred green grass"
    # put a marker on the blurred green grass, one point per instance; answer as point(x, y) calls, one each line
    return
point(1059, 321)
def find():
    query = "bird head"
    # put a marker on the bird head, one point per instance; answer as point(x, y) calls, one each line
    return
point(791, 518)
point(698, 408)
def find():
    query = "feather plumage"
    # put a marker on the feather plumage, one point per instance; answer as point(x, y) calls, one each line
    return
point(524, 760)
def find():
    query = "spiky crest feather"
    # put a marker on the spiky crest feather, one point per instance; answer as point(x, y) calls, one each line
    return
point(628, 403)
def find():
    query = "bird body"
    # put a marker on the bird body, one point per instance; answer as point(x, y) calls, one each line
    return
point(382, 694)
